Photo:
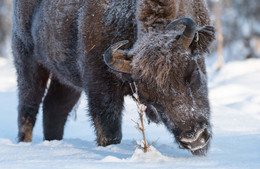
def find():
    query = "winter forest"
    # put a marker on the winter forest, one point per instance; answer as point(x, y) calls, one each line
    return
point(233, 75)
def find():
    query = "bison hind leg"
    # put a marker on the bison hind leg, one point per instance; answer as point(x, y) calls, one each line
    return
point(31, 86)
point(57, 105)
point(32, 79)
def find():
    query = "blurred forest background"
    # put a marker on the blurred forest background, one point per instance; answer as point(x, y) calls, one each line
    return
point(236, 21)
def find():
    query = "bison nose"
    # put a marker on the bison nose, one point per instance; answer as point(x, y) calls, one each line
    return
point(199, 141)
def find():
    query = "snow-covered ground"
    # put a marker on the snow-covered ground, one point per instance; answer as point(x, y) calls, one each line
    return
point(235, 100)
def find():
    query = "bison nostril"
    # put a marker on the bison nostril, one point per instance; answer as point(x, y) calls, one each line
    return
point(199, 141)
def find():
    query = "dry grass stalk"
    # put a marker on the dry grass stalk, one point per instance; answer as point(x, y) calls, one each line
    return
point(140, 126)
point(220, 38)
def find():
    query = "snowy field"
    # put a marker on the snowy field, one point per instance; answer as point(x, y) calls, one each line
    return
point(235, 102)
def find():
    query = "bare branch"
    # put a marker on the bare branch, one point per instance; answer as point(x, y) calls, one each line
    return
point(141, 109)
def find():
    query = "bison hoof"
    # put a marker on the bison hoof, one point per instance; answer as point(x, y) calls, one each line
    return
point(198, 145)
point(105, 141)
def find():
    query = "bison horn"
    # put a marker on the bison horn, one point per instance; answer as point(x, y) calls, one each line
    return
point(116, 60)
point(189, 32)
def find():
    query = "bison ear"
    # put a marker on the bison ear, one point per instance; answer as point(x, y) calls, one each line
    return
point(117, 59)
point(205, 37)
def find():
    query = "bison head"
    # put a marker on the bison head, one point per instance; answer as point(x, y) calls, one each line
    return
point(169, 69)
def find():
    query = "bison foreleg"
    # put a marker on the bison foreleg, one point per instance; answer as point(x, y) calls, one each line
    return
point(105, 108)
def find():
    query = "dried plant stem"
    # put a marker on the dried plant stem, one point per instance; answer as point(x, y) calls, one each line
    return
point(142, 126)
point(220, 37)
point(141, 110)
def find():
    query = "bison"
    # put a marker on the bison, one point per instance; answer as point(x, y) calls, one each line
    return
point(69, 43)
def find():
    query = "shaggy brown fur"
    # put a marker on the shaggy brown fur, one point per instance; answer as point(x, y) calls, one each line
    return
point(64, 40)
point(157, 53)
point(158, 13)
point(171, 78)
point(155, 63)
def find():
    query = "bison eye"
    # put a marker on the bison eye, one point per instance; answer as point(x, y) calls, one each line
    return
point(177, 37)
point(194, 79)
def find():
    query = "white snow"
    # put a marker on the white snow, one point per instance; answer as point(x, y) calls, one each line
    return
point(7, 75)
point(235, 103)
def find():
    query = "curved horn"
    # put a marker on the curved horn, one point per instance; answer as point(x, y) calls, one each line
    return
point(189, 32)
point(116, 61)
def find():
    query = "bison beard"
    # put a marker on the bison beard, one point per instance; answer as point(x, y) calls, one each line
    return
point(64, 41)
